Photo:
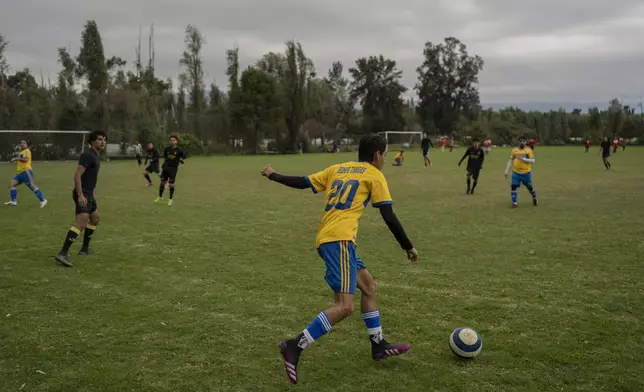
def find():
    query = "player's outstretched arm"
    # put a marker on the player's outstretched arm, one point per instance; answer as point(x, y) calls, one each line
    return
point(397, 230)
point(464, 156)
point(297, 182)
point(508, 166)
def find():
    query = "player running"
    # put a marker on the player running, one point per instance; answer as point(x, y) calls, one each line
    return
point(349, 188)
point(424, 145)
point(521, 161)
point(487, 144)
point(173, 156)
point(587, 144)
point(604, 149)
point(137, 151)
point(152, 155)
point(25, 176)
point(87, 215)
point(475, 156)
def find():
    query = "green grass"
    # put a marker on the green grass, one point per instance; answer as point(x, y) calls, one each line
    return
point(194, 297)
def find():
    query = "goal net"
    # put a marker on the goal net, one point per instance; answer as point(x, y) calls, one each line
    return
point(402, 140)
point(45, 145)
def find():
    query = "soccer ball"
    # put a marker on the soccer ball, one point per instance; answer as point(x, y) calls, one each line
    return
point(465, 342)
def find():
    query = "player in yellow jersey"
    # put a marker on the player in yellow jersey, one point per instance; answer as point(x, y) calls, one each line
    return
point(521, 161)
point(25, 176)
point(349, 187)
point(399, 159)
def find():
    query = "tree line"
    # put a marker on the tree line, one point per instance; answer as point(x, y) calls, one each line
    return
point(281, 99)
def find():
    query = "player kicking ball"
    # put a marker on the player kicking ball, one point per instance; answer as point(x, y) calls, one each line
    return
point(521, 161)
point(475, 156)
point(25, 176)
point(348, 188)
point(173, 156)
point(151, 155)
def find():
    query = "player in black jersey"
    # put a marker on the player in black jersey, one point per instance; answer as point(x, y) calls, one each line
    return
point(173, 156)
point(424, 144)
point(85, 178)
point(476, 156)
point(604, 149)
point(152, 155)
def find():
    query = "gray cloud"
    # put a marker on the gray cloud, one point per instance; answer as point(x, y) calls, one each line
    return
point(534, 50)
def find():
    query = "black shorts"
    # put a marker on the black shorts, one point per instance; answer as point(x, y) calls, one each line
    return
point(425, 152)
point(474, 172)
point(169, 174)
point(91, 203)
point(153, 167)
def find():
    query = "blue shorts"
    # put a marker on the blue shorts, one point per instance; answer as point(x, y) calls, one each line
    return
point(26, 177)
point(525, 179)
point(342, 265)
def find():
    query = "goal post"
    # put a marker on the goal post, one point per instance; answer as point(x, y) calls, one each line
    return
point(405, 139)
point(46, 144)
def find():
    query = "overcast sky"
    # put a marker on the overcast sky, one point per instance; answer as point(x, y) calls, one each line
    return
point(534, 50)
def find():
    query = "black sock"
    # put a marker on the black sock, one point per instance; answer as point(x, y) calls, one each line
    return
point(147, 177)
point(69, 239)
point(161, 188)
point(469, 182)
point(171, 192)
point(474, 185)
point(89, 231)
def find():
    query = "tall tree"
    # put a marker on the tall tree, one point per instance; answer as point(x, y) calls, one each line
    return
point(616, 117)
point(447, 85)
point(193, 62)
point(91, 65)
point(258, 105)
point(299, 70)
point(4, 65)
point(235, 119)
point(376, 85)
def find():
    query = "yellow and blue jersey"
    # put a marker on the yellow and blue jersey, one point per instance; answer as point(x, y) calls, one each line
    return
point(349, 188)
point(24, 166)
point(518, 166)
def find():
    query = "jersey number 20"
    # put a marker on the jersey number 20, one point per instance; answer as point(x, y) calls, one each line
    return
point(340, 189)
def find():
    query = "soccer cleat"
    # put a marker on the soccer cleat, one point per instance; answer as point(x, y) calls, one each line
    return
point(158, 199)
point(170, 203)
point(11, 203)
point(384, 350)
point(467, 192)
point(515, 205)
point(148, 184)
point(43, 203)
point(86, 252)
point(62, 259)
point(535, 202)
point(291, 355)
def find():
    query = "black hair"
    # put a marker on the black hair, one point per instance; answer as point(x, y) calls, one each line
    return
point(173, 136)
point(370, 145)
point(475, 140)
point(95, 134)
point(523, 138)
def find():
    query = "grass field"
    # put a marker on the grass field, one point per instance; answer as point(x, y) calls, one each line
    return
point(194, 297)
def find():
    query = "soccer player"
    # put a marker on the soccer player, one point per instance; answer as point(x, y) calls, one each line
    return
point(587, 144)
point(173, 156)
point(137, 150)
point(615, 145)
point(521, 161)
point(25, 176)
point(451, 144)
point(152, 155)
point(604, 149)
point(487, 144)
point(533, 143)
point(87, 215)
point(442, 143)
point(399, 159)
point(475, 156)
point(424, 144)
point(623, 145)
point(349, 188)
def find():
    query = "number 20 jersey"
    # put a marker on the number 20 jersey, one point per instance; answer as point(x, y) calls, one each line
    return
point(349, 187)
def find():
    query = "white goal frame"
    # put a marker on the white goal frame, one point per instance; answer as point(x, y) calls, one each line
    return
point(387, 133)
point(46, 131)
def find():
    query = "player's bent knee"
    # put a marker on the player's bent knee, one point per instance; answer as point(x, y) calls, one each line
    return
point(369, 289)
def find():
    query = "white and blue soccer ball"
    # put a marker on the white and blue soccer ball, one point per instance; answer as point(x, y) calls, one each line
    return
point(465, 342)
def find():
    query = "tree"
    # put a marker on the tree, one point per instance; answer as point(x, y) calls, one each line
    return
point(258, 105)
point(4, 66)
point(616, 117)
point(447, 85)
point(376, 85)
point(235, 115)
point(299, 70)
point(91, 65)
point(192, 61)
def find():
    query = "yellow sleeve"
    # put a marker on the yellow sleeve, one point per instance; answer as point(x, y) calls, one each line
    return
point(380, 195)
point(512, 152)
point(531, 154)
point(318, 181)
